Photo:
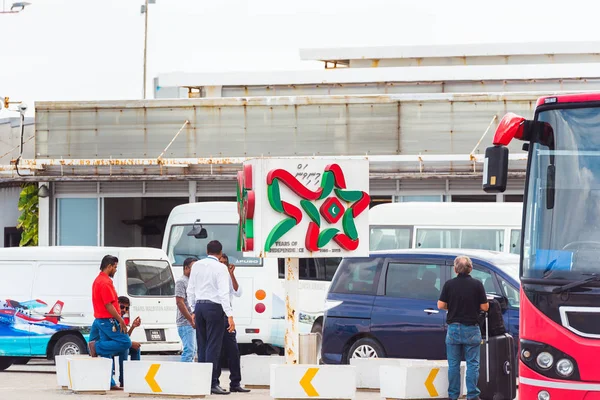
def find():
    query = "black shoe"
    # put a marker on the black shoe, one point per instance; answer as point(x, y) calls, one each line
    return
point(218, 390)
point(238, 389)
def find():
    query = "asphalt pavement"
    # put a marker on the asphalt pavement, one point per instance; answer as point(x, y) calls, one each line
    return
point(37, 381)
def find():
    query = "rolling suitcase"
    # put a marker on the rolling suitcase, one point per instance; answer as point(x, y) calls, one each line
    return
point(498, 367)
point(494, 319)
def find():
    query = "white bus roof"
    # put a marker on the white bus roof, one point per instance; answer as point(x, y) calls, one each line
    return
point(212, 212)
point(496, 257)
point(78, 253)
point(446, 214)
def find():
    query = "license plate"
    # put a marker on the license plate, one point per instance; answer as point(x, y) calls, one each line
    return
point(155, 335)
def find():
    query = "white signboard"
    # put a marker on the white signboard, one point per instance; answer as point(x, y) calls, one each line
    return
point(304, 208)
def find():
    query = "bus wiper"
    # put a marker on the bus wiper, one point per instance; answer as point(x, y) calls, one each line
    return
point(573, 285)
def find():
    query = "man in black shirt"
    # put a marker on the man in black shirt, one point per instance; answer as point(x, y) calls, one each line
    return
point(463, 297)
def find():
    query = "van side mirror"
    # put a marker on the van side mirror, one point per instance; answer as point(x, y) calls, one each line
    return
point(495, 169)
point(198, 231)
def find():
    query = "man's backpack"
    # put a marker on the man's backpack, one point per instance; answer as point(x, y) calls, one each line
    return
point(495, 320)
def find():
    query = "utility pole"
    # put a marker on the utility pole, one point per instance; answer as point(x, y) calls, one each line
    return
point(145, 45)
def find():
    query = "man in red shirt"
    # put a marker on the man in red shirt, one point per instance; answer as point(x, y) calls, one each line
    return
point(108, 336)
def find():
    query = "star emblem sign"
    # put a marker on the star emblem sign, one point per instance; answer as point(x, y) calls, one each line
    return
point(331, 210)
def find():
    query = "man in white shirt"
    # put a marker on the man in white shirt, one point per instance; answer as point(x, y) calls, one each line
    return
point(208, 292)
point(230, 345)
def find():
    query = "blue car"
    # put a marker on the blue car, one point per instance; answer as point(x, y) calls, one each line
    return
point(386, 305)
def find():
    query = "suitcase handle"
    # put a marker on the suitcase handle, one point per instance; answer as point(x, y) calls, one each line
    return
point(487, 347)
point(507, 367)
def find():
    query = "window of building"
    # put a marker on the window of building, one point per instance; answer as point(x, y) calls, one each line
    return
point(12, 237)
point(424, 198)
point(77, 222)
point(413, 281)
point(375, 200)
point(513, 198)
point(459, 198)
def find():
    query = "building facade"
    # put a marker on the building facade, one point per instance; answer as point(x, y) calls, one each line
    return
point(422, 115)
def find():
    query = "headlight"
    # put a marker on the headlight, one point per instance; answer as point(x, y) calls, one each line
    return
point(543, 395)
point(564, 367)
point(545, 360)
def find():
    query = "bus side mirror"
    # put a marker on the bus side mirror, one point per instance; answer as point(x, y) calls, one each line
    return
point(495, 169)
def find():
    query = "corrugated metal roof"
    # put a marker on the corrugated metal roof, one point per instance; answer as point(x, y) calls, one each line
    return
point(451, 50)
point(391, 74)
point(280, 126)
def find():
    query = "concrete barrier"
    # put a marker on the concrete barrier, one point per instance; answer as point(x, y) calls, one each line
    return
point(256, 370)
point(367, 370)
point(62, 369)
point(417, 381)
point(89, 375)
point(168, 378)
point(307, 381)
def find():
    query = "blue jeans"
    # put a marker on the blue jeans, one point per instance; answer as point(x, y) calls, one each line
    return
point(109, 343)
point(463, 341)
point(188, 340)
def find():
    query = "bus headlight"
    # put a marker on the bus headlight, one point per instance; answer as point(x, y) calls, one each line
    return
point(544, 360)
point(565, 367)
point(543, 395)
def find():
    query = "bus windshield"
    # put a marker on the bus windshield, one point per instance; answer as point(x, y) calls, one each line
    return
point(182, 246)
point(562, 234)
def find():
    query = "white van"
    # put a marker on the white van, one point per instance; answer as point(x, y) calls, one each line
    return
point(46, 299)
point(254, 310)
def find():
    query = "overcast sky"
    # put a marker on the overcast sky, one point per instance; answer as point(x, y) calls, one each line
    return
point(93, 49)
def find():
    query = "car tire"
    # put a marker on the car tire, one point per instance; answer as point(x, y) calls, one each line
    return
point(69, 345)
point(5, 362)
point(365, 348)
point(318, 329)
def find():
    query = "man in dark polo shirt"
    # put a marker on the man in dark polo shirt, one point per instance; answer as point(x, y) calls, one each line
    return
point(108, 335)
point(463, 297)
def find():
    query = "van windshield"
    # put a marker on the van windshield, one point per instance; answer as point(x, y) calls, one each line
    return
point(151, 278)
point(182, 246)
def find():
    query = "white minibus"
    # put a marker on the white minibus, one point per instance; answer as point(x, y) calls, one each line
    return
point(260, 311)
point(46, 299)
point(424, 225)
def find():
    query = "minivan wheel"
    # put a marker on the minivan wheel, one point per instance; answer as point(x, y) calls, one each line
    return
point(69, 345)
point(365, 348)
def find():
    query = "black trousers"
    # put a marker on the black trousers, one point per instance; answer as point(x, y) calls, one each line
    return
point(209, 335)
point(232, 353)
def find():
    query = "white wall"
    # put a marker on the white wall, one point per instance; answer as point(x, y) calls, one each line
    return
point(9, 211)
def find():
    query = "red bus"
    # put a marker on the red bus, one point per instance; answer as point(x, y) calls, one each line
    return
point(559, 332)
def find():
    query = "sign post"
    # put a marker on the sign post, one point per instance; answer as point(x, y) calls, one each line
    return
point(296, 208)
